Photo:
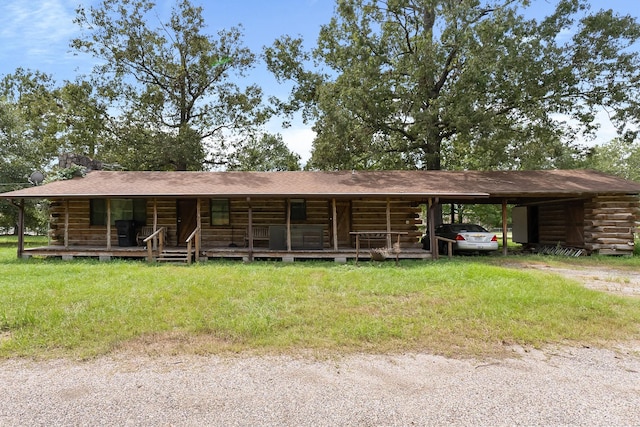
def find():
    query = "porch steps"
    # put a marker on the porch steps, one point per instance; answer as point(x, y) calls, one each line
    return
point(176, 256)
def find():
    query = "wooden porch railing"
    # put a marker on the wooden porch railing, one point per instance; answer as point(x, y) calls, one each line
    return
point(450, 243)
point(193, 236)
point(159, 234)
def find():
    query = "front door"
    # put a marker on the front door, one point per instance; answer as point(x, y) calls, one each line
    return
point(575, 224)
point(187, 213)
point(343, 216)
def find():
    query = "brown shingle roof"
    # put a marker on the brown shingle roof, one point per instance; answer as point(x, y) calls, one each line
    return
point(447, 184)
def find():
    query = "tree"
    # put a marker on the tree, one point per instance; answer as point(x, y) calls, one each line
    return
point(460, 84)
point(83, 120)
point(265, 153)
point(617, 157)
point(27, 128)
point(171, 83)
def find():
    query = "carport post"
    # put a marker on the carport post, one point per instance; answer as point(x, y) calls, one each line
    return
point(20, 228)
point(432, 227)
point(504, 226)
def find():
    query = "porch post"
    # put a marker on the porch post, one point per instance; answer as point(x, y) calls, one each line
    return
point(504, 226)
point(108, 224)
point(250, 230)
point(288, 225)
point(199, 226)
point(154, 243)
point(20, 228)
point(66, 224)
point(388, 222)
point(335, 224)
point(432, 227)
point(155, 215)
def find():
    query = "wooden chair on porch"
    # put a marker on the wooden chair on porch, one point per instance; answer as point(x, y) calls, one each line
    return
point(260, 233)
point(147, 231)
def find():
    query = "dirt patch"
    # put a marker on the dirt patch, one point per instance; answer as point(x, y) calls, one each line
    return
point(607, 279)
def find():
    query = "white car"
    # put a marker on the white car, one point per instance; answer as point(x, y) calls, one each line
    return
point(468, 237)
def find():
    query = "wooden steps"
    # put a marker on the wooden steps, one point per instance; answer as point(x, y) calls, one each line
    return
point(176, 256)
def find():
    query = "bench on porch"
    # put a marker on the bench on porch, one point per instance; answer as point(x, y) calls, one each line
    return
point(146, 231)
point(260, 233)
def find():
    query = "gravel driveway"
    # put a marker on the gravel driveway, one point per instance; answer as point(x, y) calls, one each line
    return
point(582, 386)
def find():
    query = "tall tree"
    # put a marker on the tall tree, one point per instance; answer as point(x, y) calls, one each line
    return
point(460, 84)
point(28, 127)
point(264, 153)
point(172, 82)
point(617, 157)
point(83, 120)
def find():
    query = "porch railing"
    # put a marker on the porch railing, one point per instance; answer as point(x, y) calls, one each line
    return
point(195, 236)
point(159, 235)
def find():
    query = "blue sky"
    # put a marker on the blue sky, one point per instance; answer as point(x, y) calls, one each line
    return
point(35, 34)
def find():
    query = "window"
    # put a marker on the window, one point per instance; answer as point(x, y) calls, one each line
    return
point(135, 209)
point(298, 209)
point(220, 212)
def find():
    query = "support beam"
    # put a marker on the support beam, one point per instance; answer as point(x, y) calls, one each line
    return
point(20, 228)
point(250, 231)
point(432, 227)
point(199, 226)
point(388, 223)
point(288, 225)
point(334, 212)
point(504, 227)
point(108, 224)
point(66, 224)
point(154, 242)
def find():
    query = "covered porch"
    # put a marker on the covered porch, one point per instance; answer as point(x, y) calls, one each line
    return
point(198, 229)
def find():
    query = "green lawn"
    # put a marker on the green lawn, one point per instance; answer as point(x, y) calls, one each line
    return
point(465, 306)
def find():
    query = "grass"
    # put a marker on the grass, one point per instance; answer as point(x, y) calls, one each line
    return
point(468, 306)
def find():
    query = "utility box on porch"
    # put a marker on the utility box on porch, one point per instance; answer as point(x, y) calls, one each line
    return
point(520, 224)
point(126, 232)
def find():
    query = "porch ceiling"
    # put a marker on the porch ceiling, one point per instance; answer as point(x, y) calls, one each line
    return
point(451, 185)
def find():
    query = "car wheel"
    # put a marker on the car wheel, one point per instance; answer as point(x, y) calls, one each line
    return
point(443, 248)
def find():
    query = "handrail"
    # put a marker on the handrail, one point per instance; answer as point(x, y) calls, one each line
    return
point(195, 233)
point(159, 233)
point(450, 243)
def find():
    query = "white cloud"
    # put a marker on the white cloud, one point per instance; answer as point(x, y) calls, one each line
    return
point(299, 140)
point(37, 31)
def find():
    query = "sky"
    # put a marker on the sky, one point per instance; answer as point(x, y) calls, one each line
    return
point(35, 35)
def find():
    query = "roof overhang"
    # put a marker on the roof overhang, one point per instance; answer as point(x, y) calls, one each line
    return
point(447, 186)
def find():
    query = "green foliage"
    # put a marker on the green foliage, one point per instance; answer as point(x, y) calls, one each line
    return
point(266, 153)
point(61, 174)
point(617, 157)
point(172, 85)
point(28, 129)
point(487, 215)
point(460, 85)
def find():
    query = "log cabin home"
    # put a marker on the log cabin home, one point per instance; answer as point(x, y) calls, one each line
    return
point(321, 215)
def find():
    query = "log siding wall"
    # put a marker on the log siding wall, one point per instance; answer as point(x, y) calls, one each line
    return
point(610, 224)
point(367, 215)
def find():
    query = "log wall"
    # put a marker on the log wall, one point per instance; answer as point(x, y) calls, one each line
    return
point(371, 215)
point(561, 223)
point(367, 215)
point(552, 221)
point(610, 224)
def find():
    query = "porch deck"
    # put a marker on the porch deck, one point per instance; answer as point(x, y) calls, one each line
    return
point(238, 253)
